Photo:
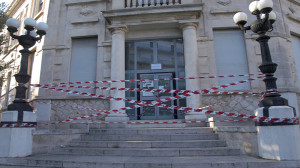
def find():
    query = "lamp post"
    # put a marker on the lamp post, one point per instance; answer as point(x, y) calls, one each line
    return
point(265, 19)
point(26, 41)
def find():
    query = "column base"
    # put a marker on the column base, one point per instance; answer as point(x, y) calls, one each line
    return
point(195, 116)
point(117, 118)
point(278, 142)
point(16, 142)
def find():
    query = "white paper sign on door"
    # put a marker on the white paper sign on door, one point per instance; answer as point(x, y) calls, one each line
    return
point(155, 66)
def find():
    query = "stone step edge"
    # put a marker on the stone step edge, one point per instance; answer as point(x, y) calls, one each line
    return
point(139, 141)
point(149, 128)
point(166, 149)
point(254, 162)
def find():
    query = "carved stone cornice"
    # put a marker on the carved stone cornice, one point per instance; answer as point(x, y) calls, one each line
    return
point(152, 15)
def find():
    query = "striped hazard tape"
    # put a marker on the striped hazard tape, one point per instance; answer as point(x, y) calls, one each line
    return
point(159, 122)
point(16, 125)
point(156, 103)
point(141, 80)
point(210, 112)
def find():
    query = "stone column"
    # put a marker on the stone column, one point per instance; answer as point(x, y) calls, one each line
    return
point(118, 71)
point(191, 67)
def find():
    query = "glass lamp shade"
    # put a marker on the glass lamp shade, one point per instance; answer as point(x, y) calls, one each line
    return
point(272, 17)
point(32, 33)
point(253, 7)
point(265, 6)
point(11, 22)
point(42, 26)
point(240, 18)
point(30, 22)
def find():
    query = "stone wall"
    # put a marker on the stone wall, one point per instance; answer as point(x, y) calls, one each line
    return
point(62, 109)
point(243, 138)
point(232, 103)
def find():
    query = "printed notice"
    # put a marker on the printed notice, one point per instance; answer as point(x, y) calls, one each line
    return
point(155, 66)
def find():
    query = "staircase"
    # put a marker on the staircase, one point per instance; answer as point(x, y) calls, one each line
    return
point(147, 147)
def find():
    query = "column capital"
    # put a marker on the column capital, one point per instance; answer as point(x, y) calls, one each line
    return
point(116, 28)
point(189, 24)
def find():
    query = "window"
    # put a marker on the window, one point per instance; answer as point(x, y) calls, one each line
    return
point(231, 57)
point(296, 51)
point(29, 71)
point(37, 7)
point(83, 60)
point(41, 3)
point(8, 82)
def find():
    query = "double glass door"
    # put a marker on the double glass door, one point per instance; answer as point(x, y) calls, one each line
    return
point(151, 112)
point(154, 59)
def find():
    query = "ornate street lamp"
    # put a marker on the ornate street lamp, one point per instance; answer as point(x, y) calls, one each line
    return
point(264, 23)
point(26, 41)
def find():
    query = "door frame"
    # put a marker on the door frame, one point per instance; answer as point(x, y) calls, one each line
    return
point(157, 113)
point(133, 72)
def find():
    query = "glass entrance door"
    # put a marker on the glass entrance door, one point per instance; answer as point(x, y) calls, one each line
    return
point(156, 113)
point(154, 59)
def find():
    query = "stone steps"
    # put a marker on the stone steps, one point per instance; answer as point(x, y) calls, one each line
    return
point(151, 131)
point(155, 137)
point(149, 144)
point(149, 152)
point(82, 161)
point(148, 147)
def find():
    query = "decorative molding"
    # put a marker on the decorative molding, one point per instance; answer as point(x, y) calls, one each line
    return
point(224, 2)
point(292, 9)
point(188, 23)
point(223, 11)
point(57, 47)
point(76, 2)
point(114, 28)
point(86, 11)
point(129, 16)
point(293, 17)
point(86, 20)
point(297, 2)
point(106, 44)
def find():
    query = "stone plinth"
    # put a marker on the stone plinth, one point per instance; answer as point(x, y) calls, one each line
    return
point(16, 142)
point(280, 142)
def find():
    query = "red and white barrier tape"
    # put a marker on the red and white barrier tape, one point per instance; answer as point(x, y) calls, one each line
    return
point(143, 103)
point(159, 122)
point(140, 80)
point(205, 91)
point(210, 112)
point(17, 125)
point(46, 86)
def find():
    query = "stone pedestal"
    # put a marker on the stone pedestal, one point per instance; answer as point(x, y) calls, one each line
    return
point(16, 142)
point(279, 142)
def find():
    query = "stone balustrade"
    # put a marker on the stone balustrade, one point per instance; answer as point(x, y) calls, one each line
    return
point(149, 3)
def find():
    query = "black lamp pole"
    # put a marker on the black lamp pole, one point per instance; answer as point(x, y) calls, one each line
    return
point(262, 25)
point(27, 41)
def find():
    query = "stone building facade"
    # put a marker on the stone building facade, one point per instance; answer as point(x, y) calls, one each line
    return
point(96, 40)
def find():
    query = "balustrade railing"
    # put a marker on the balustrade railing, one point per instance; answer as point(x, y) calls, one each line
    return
point(150, 3)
